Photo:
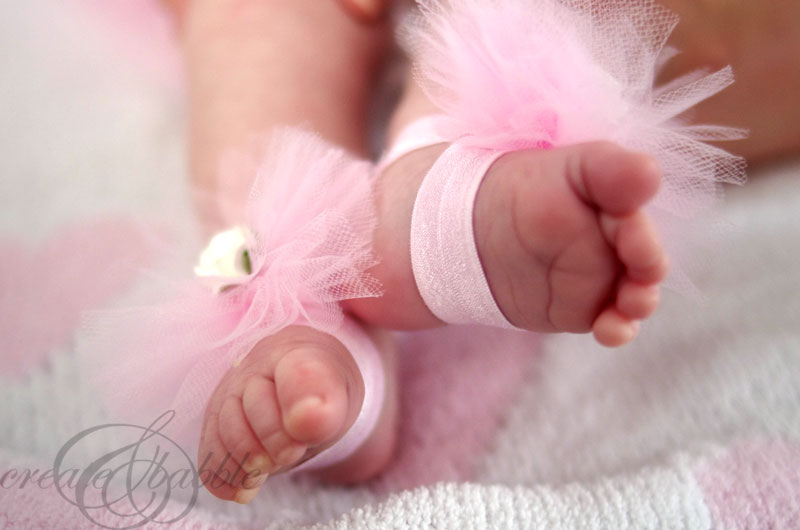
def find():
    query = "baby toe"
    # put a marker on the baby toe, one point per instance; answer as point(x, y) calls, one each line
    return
point(637, 301)
point(638, 247)
point(313, 396)
point(215, 468)
point(242, 445)
point(617, 181)
point(260, 404)
point(613, 329)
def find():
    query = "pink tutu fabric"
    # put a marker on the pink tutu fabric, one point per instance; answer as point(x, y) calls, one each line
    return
point(311, 218)
point(538, 74)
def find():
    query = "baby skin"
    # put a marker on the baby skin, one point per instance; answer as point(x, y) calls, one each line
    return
point(561, 234)
point(297, 391)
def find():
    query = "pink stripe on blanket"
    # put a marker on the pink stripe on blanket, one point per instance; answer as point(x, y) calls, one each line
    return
point(44, 291)
point(754, 486)
point(457, 385)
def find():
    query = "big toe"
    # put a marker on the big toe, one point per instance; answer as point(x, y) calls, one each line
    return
point(314, 388)
point(613, 179)
point(638, 247)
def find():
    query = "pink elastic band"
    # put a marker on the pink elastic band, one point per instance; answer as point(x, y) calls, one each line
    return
point(368, 361)
point(444, 255)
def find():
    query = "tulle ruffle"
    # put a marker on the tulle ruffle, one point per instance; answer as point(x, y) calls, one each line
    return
point(522, 74)
point(311, 216)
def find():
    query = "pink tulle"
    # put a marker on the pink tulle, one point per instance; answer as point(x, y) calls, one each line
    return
point(521, 74)
point(311, 215)
point(80, 267)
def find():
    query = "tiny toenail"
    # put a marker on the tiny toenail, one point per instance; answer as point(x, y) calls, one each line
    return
point(309, 402)
point(634, 329)
point(290, 455)
point(256, 464)
point(255, 482)
point(244, 496)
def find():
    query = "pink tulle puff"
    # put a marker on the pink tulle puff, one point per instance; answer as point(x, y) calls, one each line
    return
point(522, 74)
point(311, 215)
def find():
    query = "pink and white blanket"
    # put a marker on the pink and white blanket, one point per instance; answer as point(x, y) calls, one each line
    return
point(696, 425)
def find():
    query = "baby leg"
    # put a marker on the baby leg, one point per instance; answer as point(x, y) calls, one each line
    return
point(253, 65)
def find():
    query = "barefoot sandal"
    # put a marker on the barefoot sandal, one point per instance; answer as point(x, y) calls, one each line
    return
point(444, 255)
point(508, 76)
point(304, 247)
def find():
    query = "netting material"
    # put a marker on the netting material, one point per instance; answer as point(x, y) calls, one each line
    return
point(517, 74)
point(311, 213)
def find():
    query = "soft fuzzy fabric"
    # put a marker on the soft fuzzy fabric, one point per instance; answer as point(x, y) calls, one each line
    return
point(696, 425)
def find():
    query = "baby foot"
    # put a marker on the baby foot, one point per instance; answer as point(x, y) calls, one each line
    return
point(561, 234)
point(296, 393)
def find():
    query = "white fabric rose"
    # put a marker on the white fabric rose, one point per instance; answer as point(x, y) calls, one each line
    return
point(225, 262)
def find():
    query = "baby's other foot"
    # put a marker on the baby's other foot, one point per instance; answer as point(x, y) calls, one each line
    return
point(296, 393)
point(563, 239)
